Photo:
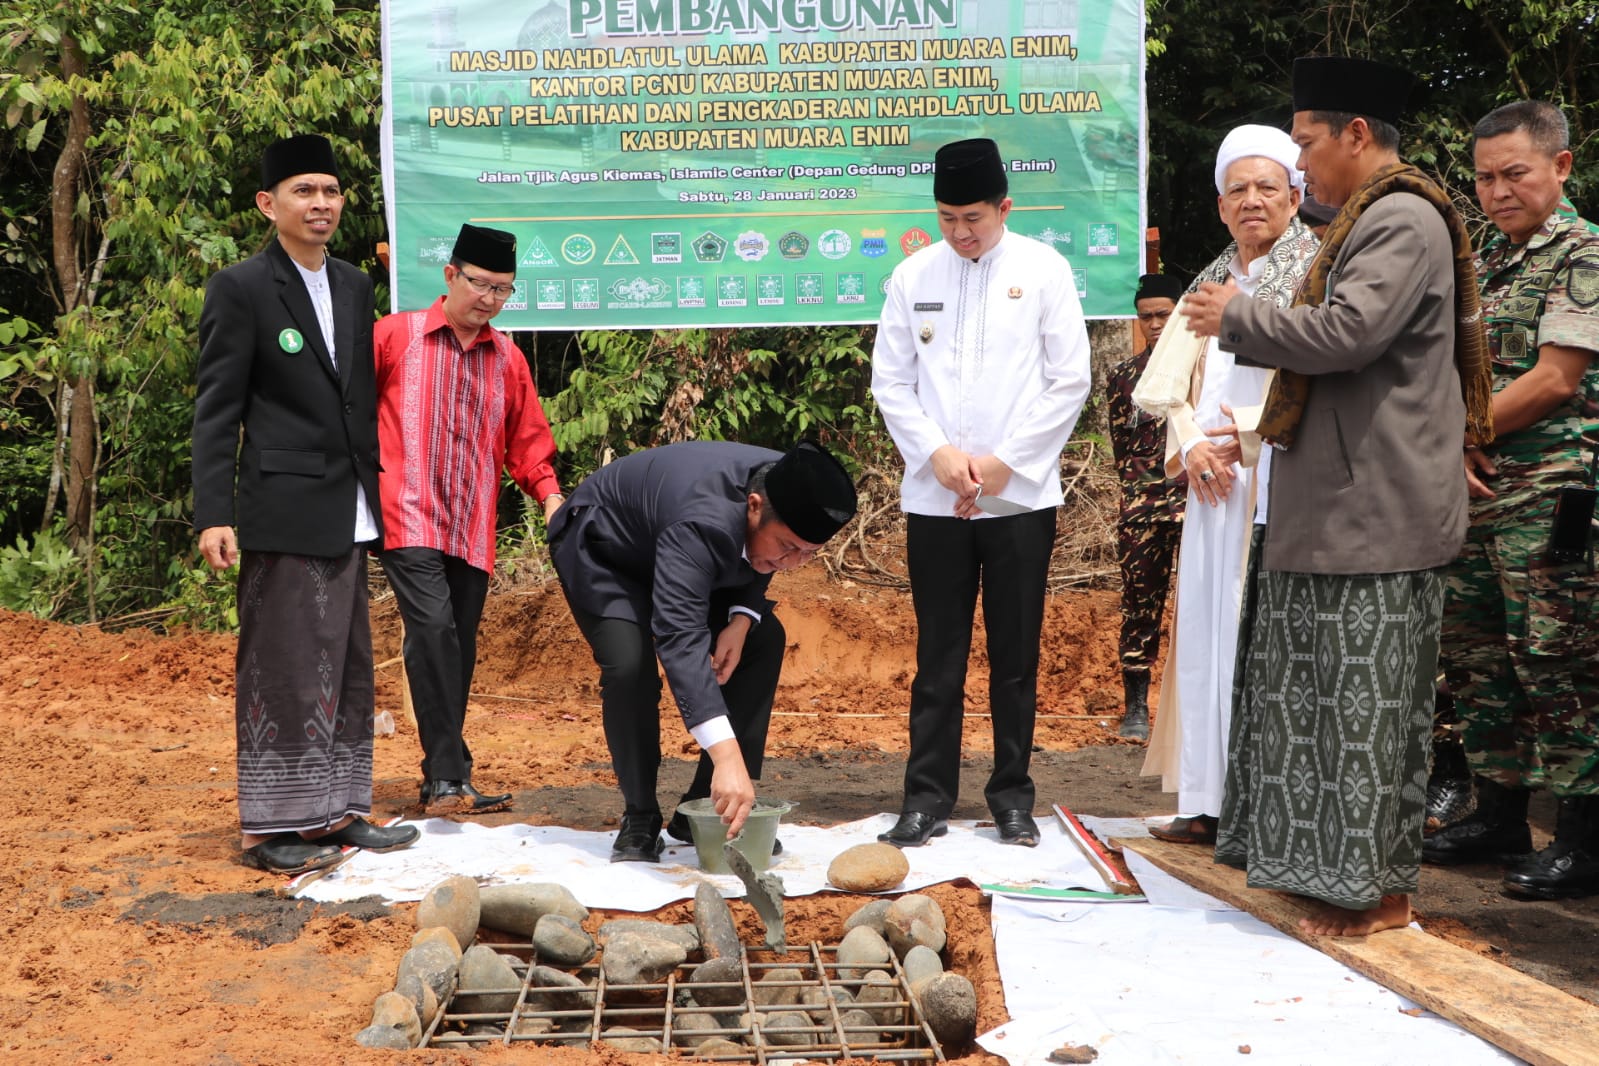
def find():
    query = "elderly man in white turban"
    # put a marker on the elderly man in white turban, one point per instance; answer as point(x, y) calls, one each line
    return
point(1259, 189)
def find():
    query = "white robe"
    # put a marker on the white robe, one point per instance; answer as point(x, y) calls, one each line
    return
point(1212, 562)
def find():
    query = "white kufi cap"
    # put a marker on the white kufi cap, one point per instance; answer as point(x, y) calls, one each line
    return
point(1268, 142)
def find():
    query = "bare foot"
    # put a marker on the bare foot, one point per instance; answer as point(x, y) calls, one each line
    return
point(1392, 913)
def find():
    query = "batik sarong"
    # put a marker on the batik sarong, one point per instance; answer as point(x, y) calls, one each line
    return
point(304, 703)
point(1327, 776)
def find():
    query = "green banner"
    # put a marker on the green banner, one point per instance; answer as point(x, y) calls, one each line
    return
point(670, 163)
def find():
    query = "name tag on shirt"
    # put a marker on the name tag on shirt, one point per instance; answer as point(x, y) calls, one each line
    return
point(930, 307)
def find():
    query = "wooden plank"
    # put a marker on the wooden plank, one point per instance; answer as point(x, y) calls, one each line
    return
point(1522, 1015)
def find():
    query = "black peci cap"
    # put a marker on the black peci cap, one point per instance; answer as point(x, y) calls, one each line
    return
point(811, 492)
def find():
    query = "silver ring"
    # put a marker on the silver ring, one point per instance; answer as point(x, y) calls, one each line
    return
point(1205, 475)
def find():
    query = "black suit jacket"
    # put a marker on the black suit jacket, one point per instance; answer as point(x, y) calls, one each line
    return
point(310, 430)
point(651, 538)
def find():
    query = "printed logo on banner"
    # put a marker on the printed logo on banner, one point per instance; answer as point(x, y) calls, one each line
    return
point(537, 255)
point(769, 290)
point(851, 289)
point(1061, 239)
point(874, 243)
point(639, 292)
point(1102, 239)
point(621, 253)
point(752, 246)
point(577, 249)
point(834, 244)
point(551, 295)
point(808, 288)
point(882, 286)
point(914, 240)
point(435, 249)
point(585, 294)
point(691, 292)
point(1080, 276)
point(709, 248)
point(794, 245)
point(732, 291)
point(666, 247)
point(517, 301)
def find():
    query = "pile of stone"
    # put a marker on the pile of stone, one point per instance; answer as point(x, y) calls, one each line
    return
point(714, 1012)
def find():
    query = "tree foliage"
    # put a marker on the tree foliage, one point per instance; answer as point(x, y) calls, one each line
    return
point(129, 147)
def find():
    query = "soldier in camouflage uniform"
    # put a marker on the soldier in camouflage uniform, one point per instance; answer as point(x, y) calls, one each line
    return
point(1521, 630)
point(1150, 524)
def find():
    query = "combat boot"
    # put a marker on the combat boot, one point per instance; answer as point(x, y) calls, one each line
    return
point(1135, 720)
point(1496, 831)
point(1569, 867)
point(1449, 785)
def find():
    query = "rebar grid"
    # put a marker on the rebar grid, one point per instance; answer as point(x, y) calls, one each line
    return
point(586, 1016)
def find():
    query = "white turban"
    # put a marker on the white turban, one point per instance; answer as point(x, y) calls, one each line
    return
point(1268, 142)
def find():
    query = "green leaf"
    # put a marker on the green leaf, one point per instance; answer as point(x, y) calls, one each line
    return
point(35, 135)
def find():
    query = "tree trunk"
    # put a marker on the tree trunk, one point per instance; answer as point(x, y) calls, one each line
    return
point(65, 185)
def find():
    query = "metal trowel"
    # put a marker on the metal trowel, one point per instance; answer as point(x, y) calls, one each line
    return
point(996, 506)
point(764, 891)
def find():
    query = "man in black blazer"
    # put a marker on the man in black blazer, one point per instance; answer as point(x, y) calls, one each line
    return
point(286, 358)
point(668, 553)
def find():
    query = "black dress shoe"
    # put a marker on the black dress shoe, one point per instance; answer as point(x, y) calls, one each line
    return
point(1559, 871)
point(914, 829)
point(679, 829)
point(363, 834)
point(286, 853)
point(459, 797)
point(638, 839)
point(1017, 827)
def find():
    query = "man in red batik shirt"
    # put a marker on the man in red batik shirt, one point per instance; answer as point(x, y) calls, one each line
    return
point(456, 405)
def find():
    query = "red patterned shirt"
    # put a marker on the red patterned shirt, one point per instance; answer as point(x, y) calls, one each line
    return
point(448, 422)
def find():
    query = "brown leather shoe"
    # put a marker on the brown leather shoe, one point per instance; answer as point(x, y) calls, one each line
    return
point(1200, 829)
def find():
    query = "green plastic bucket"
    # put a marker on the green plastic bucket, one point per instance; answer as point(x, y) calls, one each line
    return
point(754, 843)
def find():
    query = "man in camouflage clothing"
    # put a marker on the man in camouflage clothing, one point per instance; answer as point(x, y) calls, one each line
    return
point(1150, 525)
point(1521, 628)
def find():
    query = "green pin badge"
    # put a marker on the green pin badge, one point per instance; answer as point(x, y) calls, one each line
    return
point(291, 341)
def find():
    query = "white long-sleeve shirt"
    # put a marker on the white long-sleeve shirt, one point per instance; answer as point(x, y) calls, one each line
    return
point(990, 355)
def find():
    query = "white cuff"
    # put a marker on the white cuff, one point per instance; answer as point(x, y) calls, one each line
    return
point(712, 731)
point(754, 617)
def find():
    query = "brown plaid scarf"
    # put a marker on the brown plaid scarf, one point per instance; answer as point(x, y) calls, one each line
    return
point(1285, 400)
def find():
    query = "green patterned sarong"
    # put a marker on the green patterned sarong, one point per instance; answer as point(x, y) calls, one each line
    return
point(1327, 764)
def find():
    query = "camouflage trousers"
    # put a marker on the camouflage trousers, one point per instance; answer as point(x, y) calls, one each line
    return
point(1521, 655)
point(1148, 554)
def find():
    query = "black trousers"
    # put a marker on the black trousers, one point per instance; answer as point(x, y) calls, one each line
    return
point(950, 559)
point(630, 699)
point(441, 600)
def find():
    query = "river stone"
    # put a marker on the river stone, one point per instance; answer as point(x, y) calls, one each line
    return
point(718, 1046)
point(718, 971)
point(561, 941)
point(534, 1026)
point(433, 963)
point(690, 1028)
point(868, 868)
point(631, 1040)
point(871, 915)
point(453, 903)
point(383, 1036)
point(860, 1028)
point(714, 922)
point(912, 920)
point(949, 1003)
point(789, 1028)
point(489, 984)
point(881, 988)
point(817, 1000)
point(397, 1012)
point(921, 962)
point(423, 1001)
point(486, 1032)
point(563, 991)
point(631, 959)
point(518, 908)
point(777, 988)
point(440, 933)
point(684, 934)
point(859, 951)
